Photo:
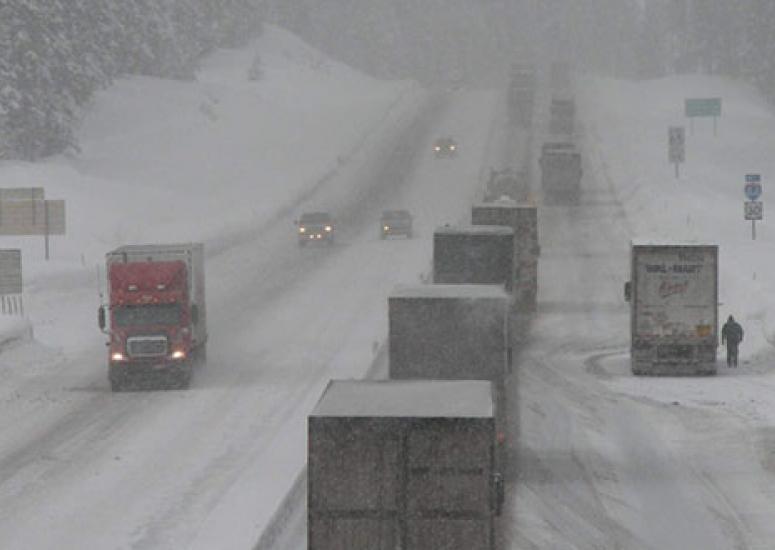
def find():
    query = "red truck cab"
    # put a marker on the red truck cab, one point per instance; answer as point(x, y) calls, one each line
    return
point(154, 319)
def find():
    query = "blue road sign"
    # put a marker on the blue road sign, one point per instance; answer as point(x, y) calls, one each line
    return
point(753, 186)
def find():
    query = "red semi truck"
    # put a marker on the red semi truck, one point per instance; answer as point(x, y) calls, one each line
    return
point(156, 317)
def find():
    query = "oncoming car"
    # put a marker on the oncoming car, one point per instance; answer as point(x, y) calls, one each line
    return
point(445, 147)
point(395, 222)
point(315, 227)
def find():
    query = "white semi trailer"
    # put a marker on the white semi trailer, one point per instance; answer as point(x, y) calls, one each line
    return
point(673, 295)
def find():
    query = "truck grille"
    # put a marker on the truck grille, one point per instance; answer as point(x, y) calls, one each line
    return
point(147, 346)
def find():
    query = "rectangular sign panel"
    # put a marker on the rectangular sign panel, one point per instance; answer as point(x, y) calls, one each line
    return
point(21, 193)
point(10, 271)
point(703, 107)
point(676, 144)
point(32, 217)
point(754, 210)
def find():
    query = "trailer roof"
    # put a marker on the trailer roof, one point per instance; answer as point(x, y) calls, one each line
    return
point(449, 291)
point(145, 248)
point(505, 203)
point(407, 399)
point(474, 230)
point(667, 242)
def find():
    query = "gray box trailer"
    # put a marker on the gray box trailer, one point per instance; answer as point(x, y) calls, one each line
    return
point(475, 254)
point(523, 219)
point(406, 464)
point(560, 172)
point(449, 332)
point(673, 295)
point(562, 115)
point(452, 332)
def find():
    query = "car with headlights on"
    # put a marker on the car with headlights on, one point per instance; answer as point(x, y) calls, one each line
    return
point(445, 147)
point(315, 227)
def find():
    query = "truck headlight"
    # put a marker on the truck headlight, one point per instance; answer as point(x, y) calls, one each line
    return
point(437, 148)
point(117, 356)
point(451, 147)
point(179, 354)
point(328, 228)
point(302, 229)
point(386, 228)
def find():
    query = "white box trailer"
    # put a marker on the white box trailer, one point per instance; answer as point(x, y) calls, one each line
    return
point(673, 295)
point(406, 464)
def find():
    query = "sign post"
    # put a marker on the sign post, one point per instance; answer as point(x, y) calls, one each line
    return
point(703, 107)
point(754, 209)
point(676, 146)
point(11, 300)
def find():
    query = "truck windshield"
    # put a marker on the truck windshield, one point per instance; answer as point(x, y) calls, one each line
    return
point(151, 314)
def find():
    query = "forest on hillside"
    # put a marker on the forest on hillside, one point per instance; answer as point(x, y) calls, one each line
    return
point(54, 54)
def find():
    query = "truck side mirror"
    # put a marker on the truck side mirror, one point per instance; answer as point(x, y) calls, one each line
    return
point(499, 494)
point(101, 317)
point(628, 291)
point(195, 314)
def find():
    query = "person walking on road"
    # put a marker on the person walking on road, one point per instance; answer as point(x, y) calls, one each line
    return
point(731, 335)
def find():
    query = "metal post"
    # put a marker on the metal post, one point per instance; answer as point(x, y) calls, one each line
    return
point(45, 212)
point(753, 230)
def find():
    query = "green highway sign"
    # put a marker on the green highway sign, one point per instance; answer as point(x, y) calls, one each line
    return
point(703, 107)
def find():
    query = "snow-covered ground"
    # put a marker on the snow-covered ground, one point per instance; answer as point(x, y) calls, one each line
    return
point(230, 162)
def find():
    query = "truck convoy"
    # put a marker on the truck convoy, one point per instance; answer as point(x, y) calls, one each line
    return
point(406, 464)
point(523, 219)
point(156, 317)
point(560, 172)
point(476, 254)
point(673, 295)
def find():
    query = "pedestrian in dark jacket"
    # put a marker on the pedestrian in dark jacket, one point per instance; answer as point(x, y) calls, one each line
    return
point(731, 335)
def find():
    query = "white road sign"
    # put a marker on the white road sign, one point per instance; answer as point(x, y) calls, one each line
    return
point(754, 210)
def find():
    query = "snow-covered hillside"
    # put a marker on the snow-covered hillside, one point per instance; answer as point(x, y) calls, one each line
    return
point(212, 160)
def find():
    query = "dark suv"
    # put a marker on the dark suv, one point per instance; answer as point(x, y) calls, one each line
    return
point(315, 227)
point(395, 222)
